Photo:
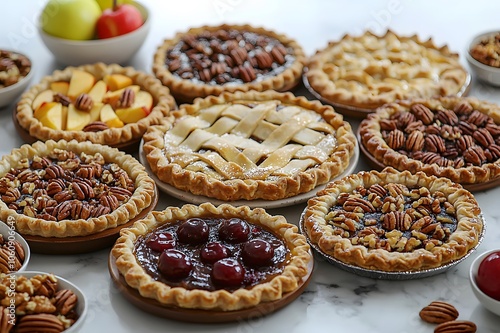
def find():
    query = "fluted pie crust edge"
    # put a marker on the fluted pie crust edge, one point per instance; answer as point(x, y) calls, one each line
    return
point(222, 300)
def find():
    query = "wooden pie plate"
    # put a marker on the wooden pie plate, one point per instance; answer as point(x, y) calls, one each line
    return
point(376, 165)
point(130, 147)
point(83, 244)
point(203, 316)
point(361, 113)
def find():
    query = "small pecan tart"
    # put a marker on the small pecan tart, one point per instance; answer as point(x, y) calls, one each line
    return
point(250, 145)
point(68, 104)
point(452, 137)
point(390, 221)
point(210, 60)
point(64, 189)
point(222, 258)
point(368, 71)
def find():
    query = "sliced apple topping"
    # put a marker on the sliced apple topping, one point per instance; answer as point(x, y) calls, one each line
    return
point(87, 104)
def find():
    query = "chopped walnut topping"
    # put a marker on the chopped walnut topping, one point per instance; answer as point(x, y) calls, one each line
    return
point(394, 217)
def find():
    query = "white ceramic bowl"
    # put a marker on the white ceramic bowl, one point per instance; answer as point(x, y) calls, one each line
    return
point(489, 303)
point(9, 94)
point(485, 73)
point(81, 306)
point(110, 50)
point(7, 232)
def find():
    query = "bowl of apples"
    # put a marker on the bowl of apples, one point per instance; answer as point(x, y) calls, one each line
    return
point(80, 32)
point(484, 278)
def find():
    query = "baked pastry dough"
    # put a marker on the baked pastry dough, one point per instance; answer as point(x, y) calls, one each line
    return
point(273, 288)
point(368, 71)
point(163, 102)
point(250, 146)
point(392, 221)
point(65, 189)
point(210, 60)
point(452, 137)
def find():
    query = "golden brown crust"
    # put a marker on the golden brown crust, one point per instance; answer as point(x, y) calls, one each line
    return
point(141, 198)
point(248, 188)
point(368, 71)
point(460, 242)
point(288, 281)
point(163, 103)
point(186, 90)
point(372, 140)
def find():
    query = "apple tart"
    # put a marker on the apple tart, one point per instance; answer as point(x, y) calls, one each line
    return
point(250, 145)
point(210, 257)
point(105, 104)
point(65, 189)
point(368, 71)
point(210, 60)
point(452, 137)
point(394, 221)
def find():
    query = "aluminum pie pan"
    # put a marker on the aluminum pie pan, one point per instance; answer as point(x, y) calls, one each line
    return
point(383, 275)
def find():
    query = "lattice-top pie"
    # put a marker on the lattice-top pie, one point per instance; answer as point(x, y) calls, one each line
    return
point(105, 104)
point(64, 189)
point(206, 257)
point(393, 221)
point(453, 137)
point(368, 71)
point(250, 146)
point(213, 59)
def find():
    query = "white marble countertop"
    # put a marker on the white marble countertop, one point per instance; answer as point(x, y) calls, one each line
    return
point(334, 300)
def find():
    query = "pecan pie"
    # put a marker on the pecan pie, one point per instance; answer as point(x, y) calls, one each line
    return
point(207, 257)
point(250, 145)
point(105, 104)
point(63, 189)
point(213, 59)
point(392, 221)
point(457, 138)
point(368, 71)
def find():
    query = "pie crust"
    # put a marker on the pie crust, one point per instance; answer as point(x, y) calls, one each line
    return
point(163, 102)
point(385, 227)
point(281, 77)
point(250, 145)
point(222, 300)
point(20, 159)
point(368, 71)
point(467, 127)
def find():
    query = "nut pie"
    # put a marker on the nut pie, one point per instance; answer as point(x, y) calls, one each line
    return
point(452, 137)
point(368, 71)
point(392, 221)
point(249, 146)
point(221, 258)
point(64, 189)
point(213, 59)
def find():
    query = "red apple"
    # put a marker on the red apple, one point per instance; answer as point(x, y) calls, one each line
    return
point(117, 21)
point(488, 275)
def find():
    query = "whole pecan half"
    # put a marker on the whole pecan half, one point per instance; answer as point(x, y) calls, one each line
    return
point(463, 108)
point(434, 143)
point(422, 113)
point(127, 98)
point(397, 220)
point(438, 312)
point(478, 118)
point(447, 117)
point(63, 99)
point(41, 322)
point(456, 326)
point(377, 189)
point(396, 139)
point(352, 203)
point(5, 322)
point(483, 137)
point(84, 102)
point(475, 155)
point(415, 141)
point(65, 301)
point(95, 126)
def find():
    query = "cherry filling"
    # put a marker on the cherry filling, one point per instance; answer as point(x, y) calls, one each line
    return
point(212, 253)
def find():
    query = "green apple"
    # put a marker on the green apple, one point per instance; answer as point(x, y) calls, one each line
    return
point(70, 19)
point(105, 4)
